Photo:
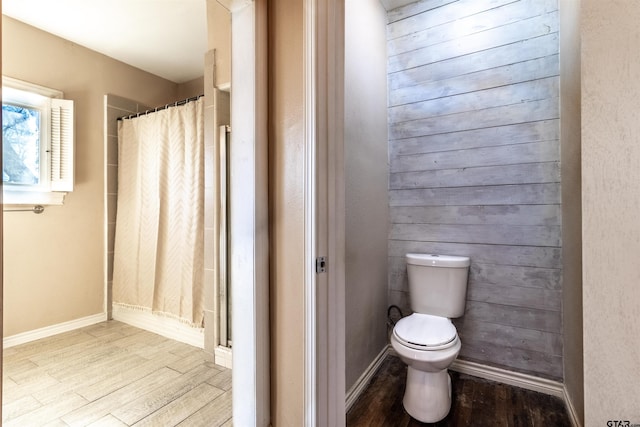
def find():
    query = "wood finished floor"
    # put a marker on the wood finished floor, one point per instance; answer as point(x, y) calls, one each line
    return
point(112, 374)
point(476, 402)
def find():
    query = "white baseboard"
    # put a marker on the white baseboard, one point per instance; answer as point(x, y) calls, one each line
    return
point(161, 325)
point(361, 383)
point(573, 414)
point(49, 331)
point(528, 382)
point(223, 356)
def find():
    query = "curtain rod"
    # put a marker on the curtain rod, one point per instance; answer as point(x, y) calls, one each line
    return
point(37, 209)
point(162, 107)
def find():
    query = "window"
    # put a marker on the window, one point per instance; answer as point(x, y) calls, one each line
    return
point(37, 144)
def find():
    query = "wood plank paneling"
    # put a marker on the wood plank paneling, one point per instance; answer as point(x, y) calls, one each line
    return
point(531, 152)
point(488, 275)
point(474, 167)
point(533, 69)
point(517, 112)
point(533, 90)
point(516, 235)
point(507, 34)
point(533, 362)
point(508, 214)
point(523, 317)
point(518, 296)
point(507, 13)
point(528, 173)
point(509, 336)
point(513, 53)
point(442, 15)
point(529, 194)
point(526, 256)
point(518, 133)
point(547, 278)
point(415, 8)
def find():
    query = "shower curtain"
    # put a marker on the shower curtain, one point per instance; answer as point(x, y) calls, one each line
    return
point(158, 254)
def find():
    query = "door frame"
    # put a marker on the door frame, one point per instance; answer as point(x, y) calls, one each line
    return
point(248, 223)
point(324, 213)
point(324, 216)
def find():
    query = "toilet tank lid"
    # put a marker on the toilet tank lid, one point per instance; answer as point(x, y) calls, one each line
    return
point(433, 260)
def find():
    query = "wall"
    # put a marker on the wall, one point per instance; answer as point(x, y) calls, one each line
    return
point(366, 176)
point(54, 262)
point(570, 139)
point(219, 38)
point(191, 88)
point(286, 211)
point(610, 206)
point(474, 162)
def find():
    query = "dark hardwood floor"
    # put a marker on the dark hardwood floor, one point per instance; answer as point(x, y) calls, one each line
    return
point(476, 402)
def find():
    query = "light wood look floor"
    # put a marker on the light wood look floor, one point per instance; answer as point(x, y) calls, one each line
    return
point(112, 374)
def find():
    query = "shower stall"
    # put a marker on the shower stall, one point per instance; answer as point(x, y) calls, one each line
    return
point(181, 291)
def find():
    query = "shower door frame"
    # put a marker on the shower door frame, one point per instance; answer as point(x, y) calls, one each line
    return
point(224, 292)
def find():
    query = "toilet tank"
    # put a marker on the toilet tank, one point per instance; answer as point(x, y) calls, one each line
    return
point(438, 284)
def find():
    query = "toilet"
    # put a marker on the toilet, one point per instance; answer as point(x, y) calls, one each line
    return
point(426, 340)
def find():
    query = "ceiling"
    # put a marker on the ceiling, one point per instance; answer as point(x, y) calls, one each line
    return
point(165, 37)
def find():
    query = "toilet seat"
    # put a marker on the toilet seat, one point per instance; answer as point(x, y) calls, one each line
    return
point(425, 332)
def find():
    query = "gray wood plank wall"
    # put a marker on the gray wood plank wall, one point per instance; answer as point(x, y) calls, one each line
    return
point(474, 167)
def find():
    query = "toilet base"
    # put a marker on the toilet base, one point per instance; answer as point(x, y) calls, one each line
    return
point(427, 395)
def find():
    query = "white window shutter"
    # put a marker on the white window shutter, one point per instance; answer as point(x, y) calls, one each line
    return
point(62, 141)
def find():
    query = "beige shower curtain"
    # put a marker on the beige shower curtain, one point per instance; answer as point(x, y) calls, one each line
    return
point(158, 254)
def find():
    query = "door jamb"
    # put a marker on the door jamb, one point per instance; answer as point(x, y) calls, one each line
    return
point(249, 251)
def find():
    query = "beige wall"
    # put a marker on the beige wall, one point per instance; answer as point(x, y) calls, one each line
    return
point(286, 178)
point(54, 262)
point(571, 202)
point(219, 38)
point(191, 88)
point(366, 175)
point(611, 205)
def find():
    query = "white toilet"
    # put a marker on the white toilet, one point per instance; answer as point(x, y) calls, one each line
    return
point(426, 340)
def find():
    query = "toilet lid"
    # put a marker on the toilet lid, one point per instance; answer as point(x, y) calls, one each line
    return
point(425, 331)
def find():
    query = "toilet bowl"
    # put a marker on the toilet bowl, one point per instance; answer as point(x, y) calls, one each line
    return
point(427, 340)
point(427, 396)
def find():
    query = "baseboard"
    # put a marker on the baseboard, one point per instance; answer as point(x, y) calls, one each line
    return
point(223, 356)
point(362, 382)
point(49, 331)
point(161, 325)
point(517, 379)
point(573, 414)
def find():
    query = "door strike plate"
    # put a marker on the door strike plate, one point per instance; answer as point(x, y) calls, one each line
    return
point(321, 264)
